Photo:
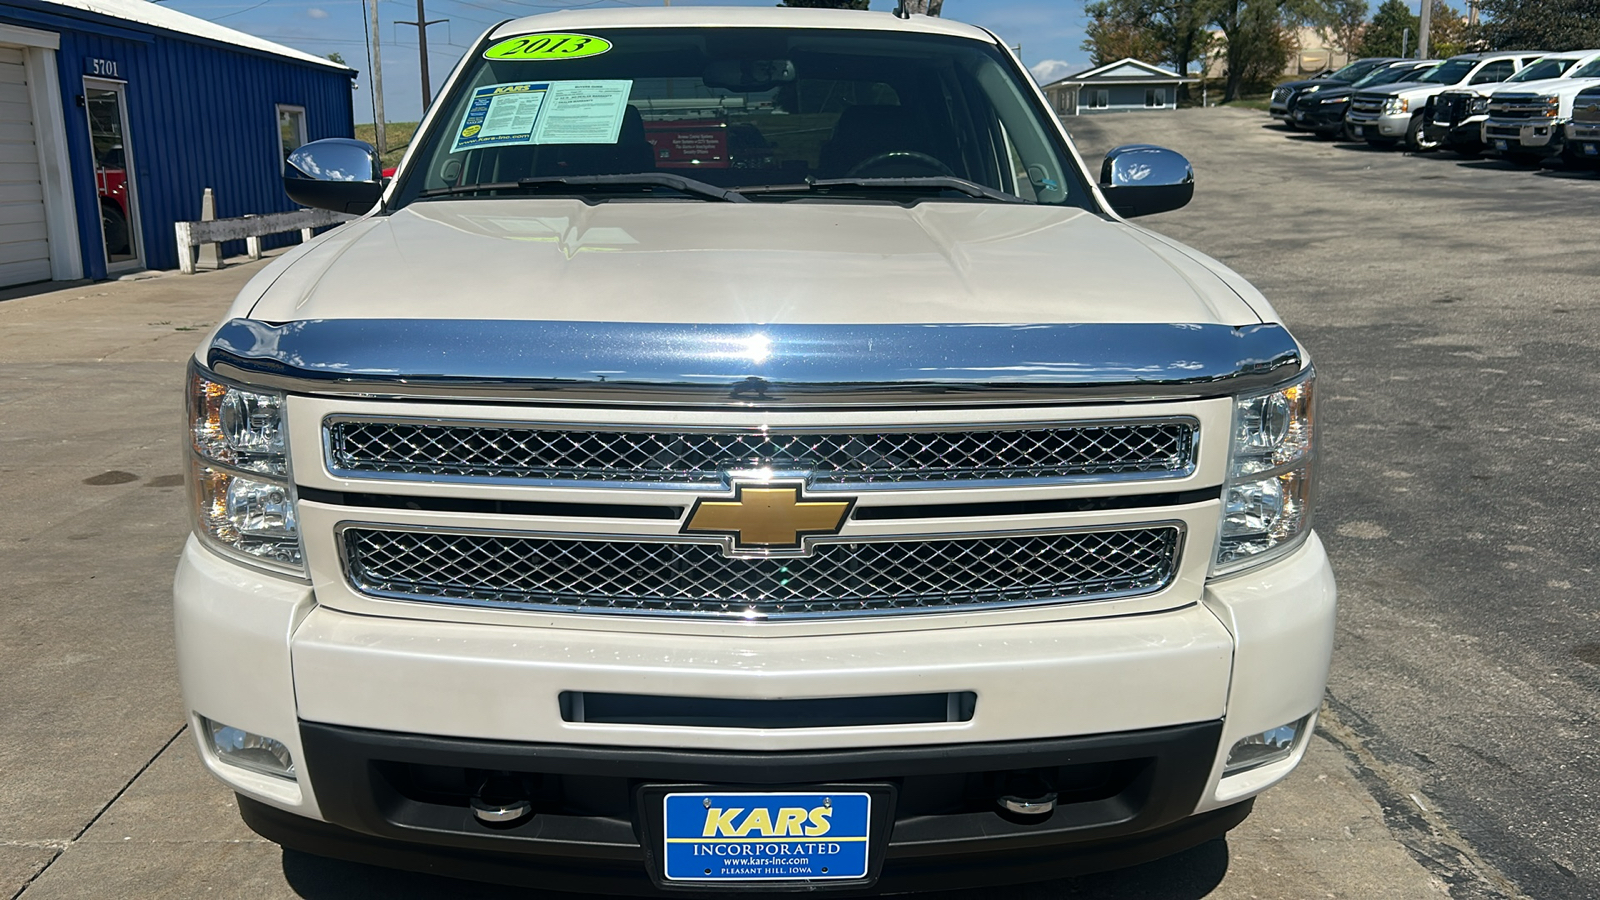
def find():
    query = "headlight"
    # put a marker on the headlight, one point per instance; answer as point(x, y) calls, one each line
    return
point(1395, 105)
point(1266, 503)
point(1337, 99)
point(1552, 106)
point(1478, 106)
point(242, 499)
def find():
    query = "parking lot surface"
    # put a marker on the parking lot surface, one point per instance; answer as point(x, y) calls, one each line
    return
point(1451, 308)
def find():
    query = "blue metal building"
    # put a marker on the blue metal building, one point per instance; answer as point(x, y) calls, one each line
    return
point(116, 115)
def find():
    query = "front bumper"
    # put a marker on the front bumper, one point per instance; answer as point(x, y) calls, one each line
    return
point(1165, 694)
point(1583, 139)
point(1330, 119)
point(1466, 133)
point(1380, 127)
point(1541, 136)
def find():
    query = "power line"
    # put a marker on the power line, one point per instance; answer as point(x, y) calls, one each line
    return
point(240, 12)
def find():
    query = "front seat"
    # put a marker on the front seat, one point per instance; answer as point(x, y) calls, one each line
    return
point(865, 131)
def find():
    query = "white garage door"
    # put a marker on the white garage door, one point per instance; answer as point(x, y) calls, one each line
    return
point(24, 249)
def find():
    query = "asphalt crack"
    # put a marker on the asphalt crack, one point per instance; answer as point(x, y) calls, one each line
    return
point(64, 846)
point(1415, 822)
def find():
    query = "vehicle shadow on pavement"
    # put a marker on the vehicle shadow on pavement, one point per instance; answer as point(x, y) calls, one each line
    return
point(1190, 875)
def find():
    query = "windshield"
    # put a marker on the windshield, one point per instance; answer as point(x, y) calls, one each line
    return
point(1450, 71)
point(1356, 70)
point(1392, 75)
point(644, 109)
point(1590, 69)
point(1544, 68)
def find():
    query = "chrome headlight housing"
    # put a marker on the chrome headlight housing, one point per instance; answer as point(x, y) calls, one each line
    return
point(1395, 105)
point(1266, 501)
point(1478, 106)
point(242, 499)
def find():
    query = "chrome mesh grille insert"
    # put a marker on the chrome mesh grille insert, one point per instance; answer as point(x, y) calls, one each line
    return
point(698, 580)
point(465, 452)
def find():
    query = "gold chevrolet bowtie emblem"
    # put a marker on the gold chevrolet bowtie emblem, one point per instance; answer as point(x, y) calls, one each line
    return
point(770, 517)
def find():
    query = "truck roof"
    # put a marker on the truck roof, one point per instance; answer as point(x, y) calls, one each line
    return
point(736, 17)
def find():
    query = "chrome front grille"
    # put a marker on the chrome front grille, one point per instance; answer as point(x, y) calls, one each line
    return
point(465, 452)
point(1367, 105)
point(1518, 106)
point(1586, 108)
point(840, 578)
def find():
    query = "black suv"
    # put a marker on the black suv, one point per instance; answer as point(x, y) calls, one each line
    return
point(1322, 112)
point(1286, 93)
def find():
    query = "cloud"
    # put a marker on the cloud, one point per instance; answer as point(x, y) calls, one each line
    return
point(1048, 70)
point(316, 13)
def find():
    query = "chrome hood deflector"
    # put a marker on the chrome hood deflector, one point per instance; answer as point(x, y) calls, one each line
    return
point(753, 366)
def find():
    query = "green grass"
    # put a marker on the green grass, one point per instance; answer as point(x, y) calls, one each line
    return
point(1260, 102)
point(398, 135)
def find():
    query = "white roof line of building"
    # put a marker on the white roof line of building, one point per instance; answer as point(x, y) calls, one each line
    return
point(144, 12)
point(1154, 70)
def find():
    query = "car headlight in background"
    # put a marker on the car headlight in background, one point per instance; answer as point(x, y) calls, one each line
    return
point(1266, 502)
point(1395, 105)
point(1478, 106)
point(242, 498)
point(1552, 107)
point(1337, 98)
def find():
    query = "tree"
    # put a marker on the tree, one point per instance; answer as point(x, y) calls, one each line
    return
point(1448, 32)
point(1347, 20)
point(1259, 39)
point(924, 7)
point(1547, 24)
point(337, 57)
point(1384, 36)
point(1119, 29)
point(827, 4)
point(1158, 31)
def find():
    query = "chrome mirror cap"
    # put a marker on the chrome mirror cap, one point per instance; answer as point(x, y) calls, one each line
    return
point(339, 174)
point(1141, 179)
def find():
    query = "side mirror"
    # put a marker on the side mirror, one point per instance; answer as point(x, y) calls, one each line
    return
point(338, 174)
point(1141, 179)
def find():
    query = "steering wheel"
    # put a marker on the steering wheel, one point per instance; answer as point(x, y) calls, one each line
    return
point(914, 157)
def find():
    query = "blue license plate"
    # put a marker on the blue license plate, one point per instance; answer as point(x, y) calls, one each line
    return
point(1357, 130)
point(1591, 149)
point(766, 837)
point(1500, 145)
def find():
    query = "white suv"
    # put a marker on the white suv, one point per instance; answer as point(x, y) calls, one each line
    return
point(745, 449)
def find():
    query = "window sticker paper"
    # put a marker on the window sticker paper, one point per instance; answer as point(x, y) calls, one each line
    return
point(583, 112)
point(543, 112)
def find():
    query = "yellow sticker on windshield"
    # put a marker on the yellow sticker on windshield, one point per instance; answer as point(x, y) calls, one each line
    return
point(548, 46)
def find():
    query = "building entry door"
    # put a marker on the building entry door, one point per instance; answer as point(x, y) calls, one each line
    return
point(107, 105)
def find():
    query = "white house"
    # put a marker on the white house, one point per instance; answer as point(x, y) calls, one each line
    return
point(1123, 86)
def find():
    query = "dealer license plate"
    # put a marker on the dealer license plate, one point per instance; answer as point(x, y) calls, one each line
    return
point(1357, 130)
point(766, 837)
point(1591, 149)
point(1500, 145)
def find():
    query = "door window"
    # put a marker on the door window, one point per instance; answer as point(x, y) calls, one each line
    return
point(1100, 99)
point(1493, 72)
point(112, 174)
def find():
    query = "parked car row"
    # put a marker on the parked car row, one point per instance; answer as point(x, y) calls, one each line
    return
point(1523, 105)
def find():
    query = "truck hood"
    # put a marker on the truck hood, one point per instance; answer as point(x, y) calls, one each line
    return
point(1555, 87)
point(1409, 88)
point(757, 263)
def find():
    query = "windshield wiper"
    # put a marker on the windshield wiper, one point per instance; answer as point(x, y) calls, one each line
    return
point(940, 182)
point(639, 179)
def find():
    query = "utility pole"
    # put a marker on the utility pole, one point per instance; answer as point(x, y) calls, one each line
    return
point(422, 24)
point(1422, 39)
point(377, 87)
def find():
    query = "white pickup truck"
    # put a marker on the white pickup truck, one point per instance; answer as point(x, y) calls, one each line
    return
point(744, 449)
point(1526, 120)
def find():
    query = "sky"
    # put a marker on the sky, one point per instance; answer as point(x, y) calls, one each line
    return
point(1049, 32)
